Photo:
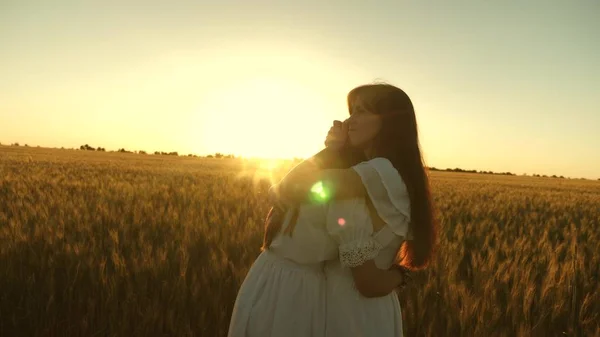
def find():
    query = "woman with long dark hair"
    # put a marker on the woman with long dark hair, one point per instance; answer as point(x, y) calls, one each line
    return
point(370, 222)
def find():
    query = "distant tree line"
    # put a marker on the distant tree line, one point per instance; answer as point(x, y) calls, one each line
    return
point(491, 172)
point(219, 155)
point(160, 153)
point(552, 176)
point(471, 171)
point(86, 147)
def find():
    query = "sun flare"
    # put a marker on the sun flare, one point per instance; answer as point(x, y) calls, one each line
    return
point(268, 117)
point(265, 170)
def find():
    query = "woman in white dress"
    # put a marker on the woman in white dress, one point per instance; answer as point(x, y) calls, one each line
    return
point(380, 211)
point(284, 293)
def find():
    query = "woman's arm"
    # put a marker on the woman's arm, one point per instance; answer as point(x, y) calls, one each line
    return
point(322, 177)
point(306, 183)
point(370, 281)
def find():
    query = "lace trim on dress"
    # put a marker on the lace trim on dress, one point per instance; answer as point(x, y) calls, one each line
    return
point(355, 253)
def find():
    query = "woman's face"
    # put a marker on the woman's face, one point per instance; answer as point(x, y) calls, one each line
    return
point(363, 126)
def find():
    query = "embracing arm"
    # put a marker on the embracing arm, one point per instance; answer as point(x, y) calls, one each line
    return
point(370, 281)
point(308, 183)
point(331, 169)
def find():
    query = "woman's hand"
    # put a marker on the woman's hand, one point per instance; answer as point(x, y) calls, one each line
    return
point(337, 135)
point(406, 278)
point(370, 281)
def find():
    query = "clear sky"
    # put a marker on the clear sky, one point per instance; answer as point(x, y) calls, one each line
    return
point(497, 85)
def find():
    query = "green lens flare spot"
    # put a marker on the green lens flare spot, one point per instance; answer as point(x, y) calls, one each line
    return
point(319, 191)
point(317, 188)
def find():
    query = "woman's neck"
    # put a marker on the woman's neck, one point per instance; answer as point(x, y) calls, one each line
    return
point(369, 153)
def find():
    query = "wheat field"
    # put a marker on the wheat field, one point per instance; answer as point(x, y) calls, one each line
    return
point(115, 244)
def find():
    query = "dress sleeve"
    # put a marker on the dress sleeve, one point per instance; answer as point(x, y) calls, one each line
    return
point(388, 193)
point(349, 222)
point(347, 225)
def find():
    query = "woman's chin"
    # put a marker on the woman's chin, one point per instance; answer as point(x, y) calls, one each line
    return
point(354, 143)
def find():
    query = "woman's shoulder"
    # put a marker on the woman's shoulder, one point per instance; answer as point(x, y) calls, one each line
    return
point(382, 170)
point(381, 162)
point(386, 189)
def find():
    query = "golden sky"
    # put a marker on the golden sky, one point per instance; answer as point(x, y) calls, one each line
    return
point(496, 86)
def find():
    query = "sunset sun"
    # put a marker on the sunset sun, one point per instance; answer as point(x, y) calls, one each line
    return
point(267, 117)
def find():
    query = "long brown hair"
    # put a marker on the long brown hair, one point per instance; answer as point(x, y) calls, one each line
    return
point(398, 141)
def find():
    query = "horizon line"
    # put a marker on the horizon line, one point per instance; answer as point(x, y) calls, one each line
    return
point(294, 158)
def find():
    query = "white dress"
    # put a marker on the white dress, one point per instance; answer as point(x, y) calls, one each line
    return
point(348, 312)
point(283, 294)
point(291, 291)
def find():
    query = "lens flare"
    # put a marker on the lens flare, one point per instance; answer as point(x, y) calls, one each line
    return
point(262, 170)
point(319, 191)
